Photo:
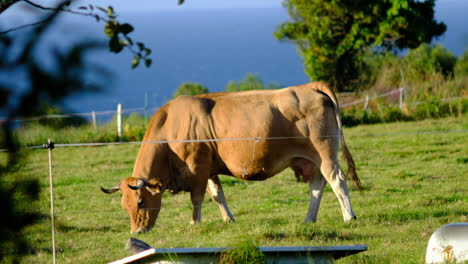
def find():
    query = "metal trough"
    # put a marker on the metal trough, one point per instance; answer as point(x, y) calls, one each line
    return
point(296, 255)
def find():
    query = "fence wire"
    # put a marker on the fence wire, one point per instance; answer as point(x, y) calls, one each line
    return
point(256, 139)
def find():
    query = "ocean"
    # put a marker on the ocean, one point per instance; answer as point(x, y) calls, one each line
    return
point(209, 46)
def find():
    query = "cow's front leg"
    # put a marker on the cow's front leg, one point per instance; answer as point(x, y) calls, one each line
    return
point(197, 195)
point(316, 185)
point(216, 192)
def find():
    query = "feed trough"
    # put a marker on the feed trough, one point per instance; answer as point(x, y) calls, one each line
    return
point(297, 255)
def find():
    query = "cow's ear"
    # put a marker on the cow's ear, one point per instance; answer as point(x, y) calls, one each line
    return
point(154, 186)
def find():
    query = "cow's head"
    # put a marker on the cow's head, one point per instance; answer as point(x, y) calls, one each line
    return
point(141, 198)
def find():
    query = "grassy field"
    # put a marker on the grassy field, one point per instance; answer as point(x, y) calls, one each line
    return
point(414, 183)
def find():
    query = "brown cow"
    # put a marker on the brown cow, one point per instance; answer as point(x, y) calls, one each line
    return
point(297, 127)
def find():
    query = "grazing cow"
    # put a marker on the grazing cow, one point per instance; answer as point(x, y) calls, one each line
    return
point(297, 127)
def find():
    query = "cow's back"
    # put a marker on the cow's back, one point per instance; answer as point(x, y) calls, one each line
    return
point(281, 118)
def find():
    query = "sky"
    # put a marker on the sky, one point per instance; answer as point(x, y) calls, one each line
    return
point(154, 5)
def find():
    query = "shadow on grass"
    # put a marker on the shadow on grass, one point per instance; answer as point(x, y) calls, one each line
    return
point(68, 228)
point(313, 232)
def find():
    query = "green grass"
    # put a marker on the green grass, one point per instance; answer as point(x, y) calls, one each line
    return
point(414, 183)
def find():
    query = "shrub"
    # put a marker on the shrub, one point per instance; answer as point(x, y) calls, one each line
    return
point(435, 108)
point(461, 67)
point(190, 88)
point(250, 82)
point(57, 123)
point(430, 107)
point(380, 70)
point(428, 59)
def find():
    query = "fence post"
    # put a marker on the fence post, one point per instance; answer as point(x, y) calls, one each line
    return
point(366, 103)
point(146, 106)
point(50, 146)
point(402, 88)
point(401, 98)
point(93, 115)
point(119, 121)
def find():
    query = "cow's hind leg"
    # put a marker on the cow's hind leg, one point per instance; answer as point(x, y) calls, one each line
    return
point(216, 192)
point(316, 185)
point(306, 171)
point(332, 172)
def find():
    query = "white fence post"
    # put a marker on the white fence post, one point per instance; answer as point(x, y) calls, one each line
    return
point(93, 115)
point(50, 146)
point(119, 121)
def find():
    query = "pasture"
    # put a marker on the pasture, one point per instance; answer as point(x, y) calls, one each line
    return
point(414, 183)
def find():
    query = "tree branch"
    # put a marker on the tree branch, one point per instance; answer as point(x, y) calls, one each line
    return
point(25, 26)
point(40, 7)
point(64, 10)
point(59, 9)
point(5, 5)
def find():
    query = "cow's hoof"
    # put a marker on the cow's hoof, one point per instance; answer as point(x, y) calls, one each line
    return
point(354, 218)
point(351, 219)
point(141, 230)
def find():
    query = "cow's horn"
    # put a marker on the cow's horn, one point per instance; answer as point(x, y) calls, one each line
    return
point(140, 184)
point(111, 190)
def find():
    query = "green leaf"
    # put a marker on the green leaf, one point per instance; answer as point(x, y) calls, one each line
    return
point(110, 11)
point(141, 46)
point(129, 40)
point(125, 28)
point(148, 62)
point(115, 45)
point(147, 51)
point(135, 61)
point(111, 28)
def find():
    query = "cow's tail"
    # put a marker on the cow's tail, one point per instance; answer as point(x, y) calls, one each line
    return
point(351, 172)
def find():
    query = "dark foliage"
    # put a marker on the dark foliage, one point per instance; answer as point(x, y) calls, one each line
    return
point(34, 85)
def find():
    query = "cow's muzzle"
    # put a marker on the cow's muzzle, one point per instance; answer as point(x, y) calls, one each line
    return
point(141, 230)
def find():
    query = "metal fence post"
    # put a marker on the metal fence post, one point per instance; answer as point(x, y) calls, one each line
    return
point(50, 146)
point(119, 121)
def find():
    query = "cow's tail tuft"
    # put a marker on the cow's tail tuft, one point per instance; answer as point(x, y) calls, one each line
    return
point(351, 172)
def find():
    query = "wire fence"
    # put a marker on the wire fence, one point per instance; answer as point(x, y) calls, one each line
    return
point(364, 100)
point(256, 139)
